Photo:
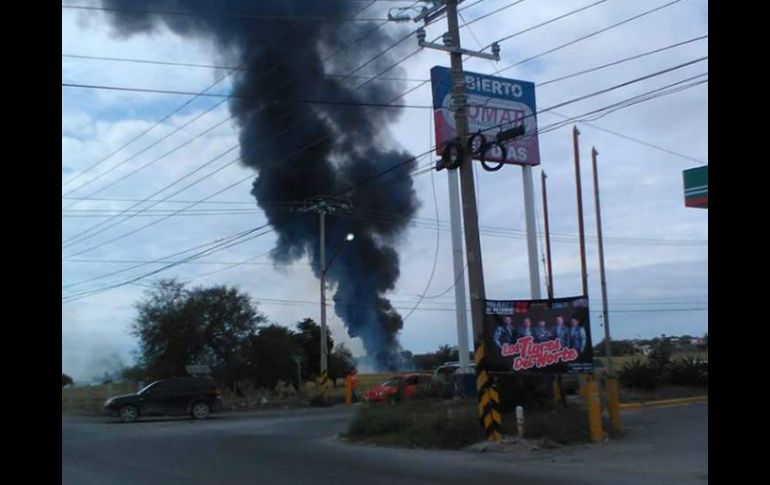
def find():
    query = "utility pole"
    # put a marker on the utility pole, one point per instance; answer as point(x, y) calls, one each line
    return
point(613, 401)
point(322, 242)
point(489, 415)
point(323, 206)
point(467, 188)
point(605, 310)
point(458, 156)
point(581, 228)
point(543, 176)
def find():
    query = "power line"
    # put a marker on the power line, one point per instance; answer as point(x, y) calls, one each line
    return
point(153, 161)
point(239, 96)
point(579, 39)
point(140, 135)
point(542, 24)
point(89, 233)
point(214, 66)
point(438, 232)
point(175, 201)
point(206, 252)
point(197, 95)
point(637, 140)
point(620, 61)
point(213, 243)
point(392, 168)
point(358, 87)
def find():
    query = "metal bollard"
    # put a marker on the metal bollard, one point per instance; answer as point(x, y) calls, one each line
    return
point(613, 404)
point(594, 410)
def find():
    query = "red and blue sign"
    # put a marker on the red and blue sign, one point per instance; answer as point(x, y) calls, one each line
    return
point(493, 104)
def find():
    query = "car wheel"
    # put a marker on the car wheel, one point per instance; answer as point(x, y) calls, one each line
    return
point(392, 400)
point(129, 413)
point(200, 410)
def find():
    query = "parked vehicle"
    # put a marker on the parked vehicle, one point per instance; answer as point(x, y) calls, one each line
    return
point(196, 396)
point(396, 388)
point(444, 372)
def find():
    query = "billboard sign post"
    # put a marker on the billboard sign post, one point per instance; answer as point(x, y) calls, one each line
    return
point(493, 105)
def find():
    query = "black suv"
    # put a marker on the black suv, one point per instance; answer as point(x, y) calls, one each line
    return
point(195, 396)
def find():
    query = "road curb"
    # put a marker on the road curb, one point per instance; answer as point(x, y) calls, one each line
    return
point(664, 402)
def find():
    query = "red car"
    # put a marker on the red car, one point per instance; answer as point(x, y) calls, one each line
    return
point(396, 388)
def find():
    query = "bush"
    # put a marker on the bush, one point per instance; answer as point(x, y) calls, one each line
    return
point(640, 375)
point(660, 354)
point(688, 371)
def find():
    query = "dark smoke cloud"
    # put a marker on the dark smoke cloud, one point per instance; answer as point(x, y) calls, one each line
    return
point(300, 150)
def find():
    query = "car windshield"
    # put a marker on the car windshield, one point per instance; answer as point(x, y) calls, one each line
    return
point(148, 387)
point(391, 383)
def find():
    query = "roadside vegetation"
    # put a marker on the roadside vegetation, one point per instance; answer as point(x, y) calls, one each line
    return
point(430, 420)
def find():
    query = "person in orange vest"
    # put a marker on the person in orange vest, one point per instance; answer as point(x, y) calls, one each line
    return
point(350, 387)
point(353, 385)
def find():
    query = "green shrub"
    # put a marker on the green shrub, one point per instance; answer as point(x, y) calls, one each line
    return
point(640, 375)
point(688, 371)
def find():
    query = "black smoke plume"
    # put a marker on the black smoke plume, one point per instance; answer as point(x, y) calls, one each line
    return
point(302, 150)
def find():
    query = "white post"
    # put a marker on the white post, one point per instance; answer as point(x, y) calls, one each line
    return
point(529, 216)
point(459, 278)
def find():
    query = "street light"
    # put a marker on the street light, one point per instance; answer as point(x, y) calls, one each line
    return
point(348, 237)
point(324, 268)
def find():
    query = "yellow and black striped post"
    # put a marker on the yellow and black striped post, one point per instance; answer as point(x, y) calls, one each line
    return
point(489, 399)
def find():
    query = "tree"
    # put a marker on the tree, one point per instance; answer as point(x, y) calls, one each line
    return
point(134, 373)
point(271, 352)
point(660, 353)
point(430, 361)
point(308, 339)
point(207, 326)
point(617, 347)
point(66, 380)
point(341, 363)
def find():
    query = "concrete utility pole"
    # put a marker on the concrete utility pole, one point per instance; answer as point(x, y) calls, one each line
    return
point(461, 159)
point(605, 310)
point(581, 228)
point(613, 401)
point(324, 206)
point(543, 176)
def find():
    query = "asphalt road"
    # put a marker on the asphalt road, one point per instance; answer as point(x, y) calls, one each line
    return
point(299, 447)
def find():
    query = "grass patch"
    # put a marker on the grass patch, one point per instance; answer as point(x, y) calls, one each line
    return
point(561, 425)
point(419, 423)
point(434, 423)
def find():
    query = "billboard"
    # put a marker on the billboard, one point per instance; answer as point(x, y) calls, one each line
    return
point(494, 104)
point(552, 336)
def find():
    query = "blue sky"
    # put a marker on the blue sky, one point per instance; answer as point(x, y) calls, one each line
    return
point(656, 249)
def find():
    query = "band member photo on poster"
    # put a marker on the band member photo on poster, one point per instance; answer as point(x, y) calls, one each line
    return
point(538, 335)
